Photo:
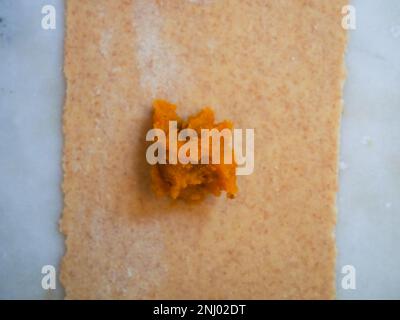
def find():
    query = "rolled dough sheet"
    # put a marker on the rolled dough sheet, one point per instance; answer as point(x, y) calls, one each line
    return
point(275, 66)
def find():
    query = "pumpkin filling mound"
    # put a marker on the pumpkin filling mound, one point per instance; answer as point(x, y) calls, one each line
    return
point(194, 180)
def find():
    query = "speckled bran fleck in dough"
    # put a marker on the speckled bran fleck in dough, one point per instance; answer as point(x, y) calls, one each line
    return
point(276, 66)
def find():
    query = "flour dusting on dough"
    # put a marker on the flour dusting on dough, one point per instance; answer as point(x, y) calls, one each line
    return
point(142, 260)
point(105, 41)
point(201, 1)
point(160, 69)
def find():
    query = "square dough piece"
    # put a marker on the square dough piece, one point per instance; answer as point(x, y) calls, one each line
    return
point(275, 66)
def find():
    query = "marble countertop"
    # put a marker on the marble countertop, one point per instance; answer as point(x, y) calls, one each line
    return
point(31, 101)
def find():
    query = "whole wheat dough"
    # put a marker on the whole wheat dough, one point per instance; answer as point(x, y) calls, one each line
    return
point(275, 66)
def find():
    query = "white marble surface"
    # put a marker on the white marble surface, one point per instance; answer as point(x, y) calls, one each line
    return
point(368, 233)
point(31, 99)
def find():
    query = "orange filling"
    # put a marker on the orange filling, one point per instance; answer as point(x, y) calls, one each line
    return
point(192, 181)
